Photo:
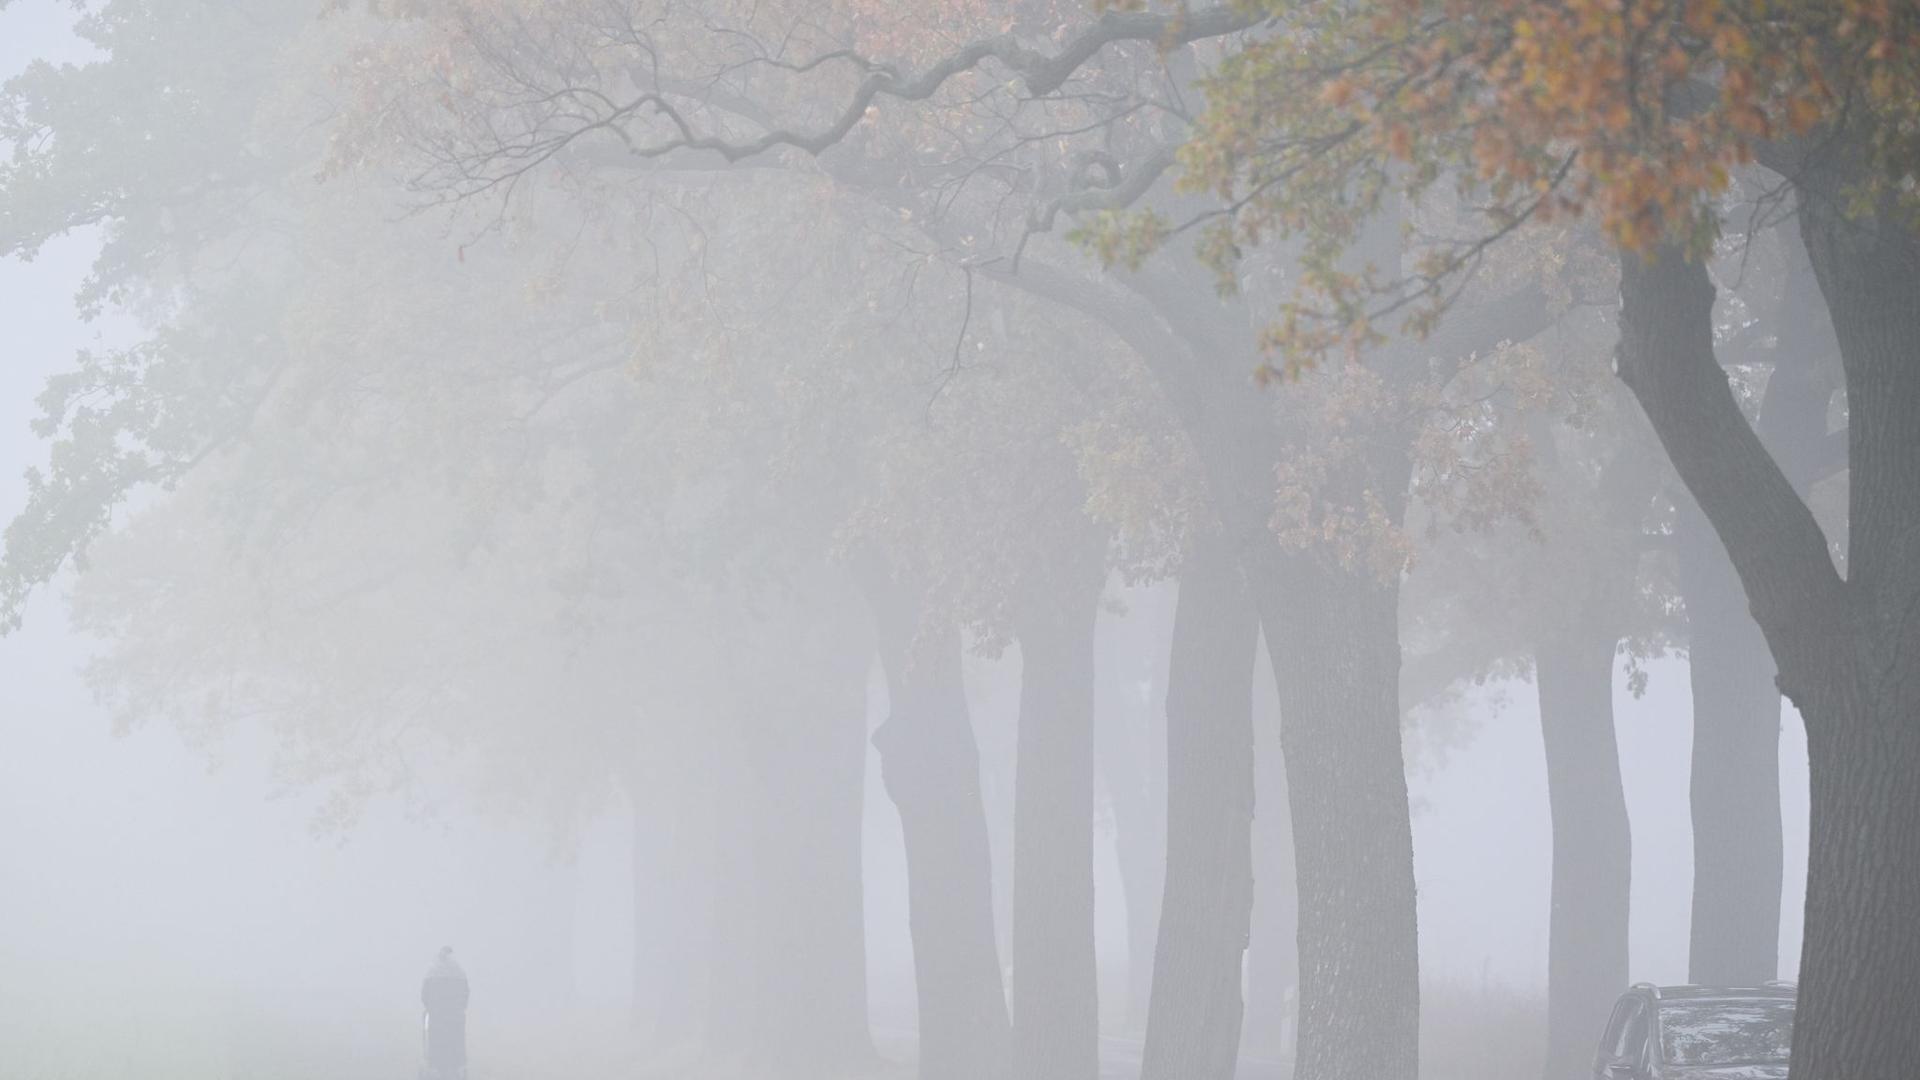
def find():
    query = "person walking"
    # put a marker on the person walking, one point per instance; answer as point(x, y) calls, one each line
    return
point(443, 996)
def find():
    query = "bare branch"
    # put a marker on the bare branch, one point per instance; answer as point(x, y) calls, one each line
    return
point(571, 112)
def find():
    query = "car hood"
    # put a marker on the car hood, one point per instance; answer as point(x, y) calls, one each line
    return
point(1729, 1072)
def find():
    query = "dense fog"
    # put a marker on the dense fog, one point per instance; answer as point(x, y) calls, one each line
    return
point(1006, 539)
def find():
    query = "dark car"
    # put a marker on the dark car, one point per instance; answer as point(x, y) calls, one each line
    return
point(1698, 1033)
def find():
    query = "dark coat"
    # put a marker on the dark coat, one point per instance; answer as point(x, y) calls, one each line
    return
point(444, 994)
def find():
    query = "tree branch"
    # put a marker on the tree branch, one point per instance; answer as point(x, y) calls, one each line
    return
point(1666, 357)
point(1039, 73)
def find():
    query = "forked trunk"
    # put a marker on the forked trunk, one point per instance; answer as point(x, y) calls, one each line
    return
point(1846, 648)
point(1856, 678)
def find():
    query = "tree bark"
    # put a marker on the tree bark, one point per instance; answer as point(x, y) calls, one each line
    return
point(1860, 962)
point(1592, 849)
point(1193, 1026)
point(1056, 1030)
point(1334, 640)
point(1858, 689)
point(1735, 789)
point(1332, 636)
point(1273, 961)
point(1846, 649)
point(930, 765)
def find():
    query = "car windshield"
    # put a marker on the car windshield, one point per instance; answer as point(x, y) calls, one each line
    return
point(1726, 1032)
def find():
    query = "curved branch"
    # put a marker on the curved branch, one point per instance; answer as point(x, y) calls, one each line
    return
point(1039, 73)
point(1666, 357)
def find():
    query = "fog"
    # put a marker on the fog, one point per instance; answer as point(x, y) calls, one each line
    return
point(804, 611)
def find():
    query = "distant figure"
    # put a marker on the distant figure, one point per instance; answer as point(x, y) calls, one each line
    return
point(443, 993)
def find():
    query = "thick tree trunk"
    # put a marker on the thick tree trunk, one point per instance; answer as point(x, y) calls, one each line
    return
point(1735, 787)
point(1592, 850)
point(1846, 648)
point(1056, 1028)
point(931, 767)
point(1860, 960)
point(1193, 1027)
point(1334, 640)
point(1859, 688)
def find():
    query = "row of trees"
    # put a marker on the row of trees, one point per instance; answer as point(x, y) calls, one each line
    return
point(727, 344)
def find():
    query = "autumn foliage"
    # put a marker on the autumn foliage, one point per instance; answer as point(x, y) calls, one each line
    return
point(1633, 113)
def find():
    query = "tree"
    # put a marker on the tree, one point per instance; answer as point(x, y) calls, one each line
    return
point(393, 394)
point(1642, 131)
point(1736, 806)
point(1321, 119)
point(1558, 593)
point(1194, 1027)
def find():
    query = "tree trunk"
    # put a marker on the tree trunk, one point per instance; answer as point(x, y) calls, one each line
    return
point(1056, 1026)
point(931, 767)
point(1131, 661)
point(1140, 846)
point(1273, 962)
point(1846, 648)
point(1592, 849)
point(1737, 872)
point(1735, 787)
point(788, 940)
point(1334, 640)
point(1193, 1027)
point(1860, 960)
point(1854, 678)
point(811, 1011)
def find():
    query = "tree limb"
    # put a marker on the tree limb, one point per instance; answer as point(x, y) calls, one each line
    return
point(1666, 357)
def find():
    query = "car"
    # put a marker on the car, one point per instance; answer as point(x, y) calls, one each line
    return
point(1698, 1033)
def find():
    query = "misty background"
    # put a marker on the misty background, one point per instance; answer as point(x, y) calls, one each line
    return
point(184, 885)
